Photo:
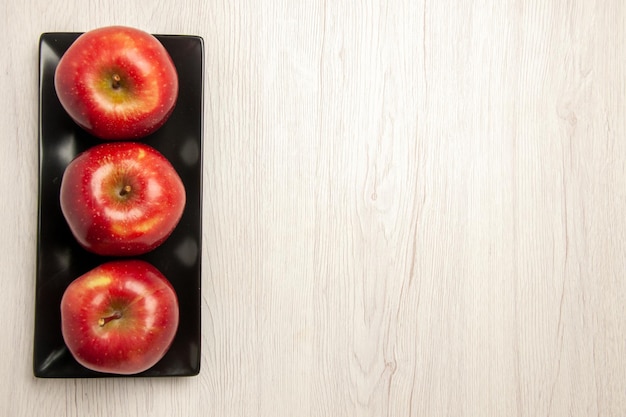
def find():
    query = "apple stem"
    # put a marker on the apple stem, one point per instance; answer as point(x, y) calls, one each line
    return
point(105, 320)
point(125, 190)
point(116, 81)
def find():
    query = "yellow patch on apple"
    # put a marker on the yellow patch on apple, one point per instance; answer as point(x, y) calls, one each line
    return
point(122, 230)
point(98, 281)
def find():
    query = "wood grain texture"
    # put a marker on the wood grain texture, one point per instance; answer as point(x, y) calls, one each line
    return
point(410, 208)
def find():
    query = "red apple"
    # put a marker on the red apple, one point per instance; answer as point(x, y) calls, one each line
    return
point(121, 198)
point(121, 317)
point(117, 82)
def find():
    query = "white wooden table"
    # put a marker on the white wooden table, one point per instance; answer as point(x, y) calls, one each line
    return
point(411, 208)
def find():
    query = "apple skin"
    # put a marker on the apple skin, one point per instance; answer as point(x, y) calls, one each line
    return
point(120, 317)
point(129, 107)
point(121, 198)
